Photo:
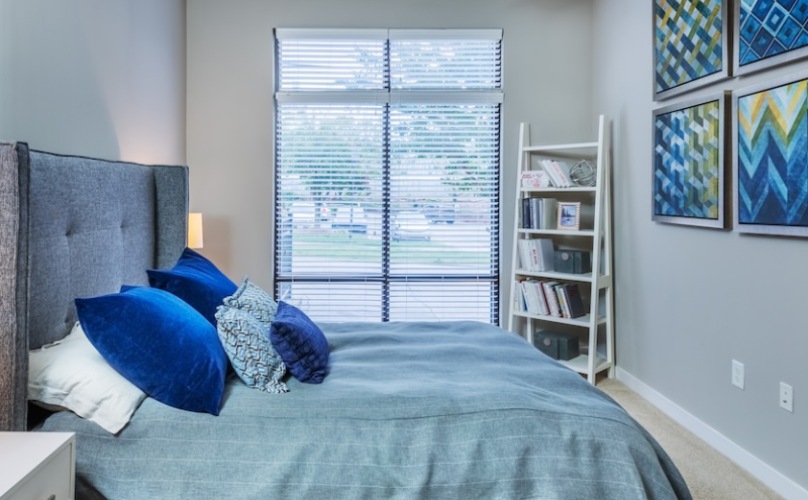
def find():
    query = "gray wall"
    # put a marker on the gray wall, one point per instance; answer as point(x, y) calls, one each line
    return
point(230, 97)
point(94, 77)
point(690, 300)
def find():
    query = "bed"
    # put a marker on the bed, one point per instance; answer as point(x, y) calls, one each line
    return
point(406, 410)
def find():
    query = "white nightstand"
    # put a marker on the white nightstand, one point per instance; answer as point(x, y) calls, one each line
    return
point(37, 465)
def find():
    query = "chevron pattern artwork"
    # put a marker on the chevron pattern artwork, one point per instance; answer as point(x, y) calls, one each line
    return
point(773, 156)
point(688, 41)
point(771, 27)
point(687, 170)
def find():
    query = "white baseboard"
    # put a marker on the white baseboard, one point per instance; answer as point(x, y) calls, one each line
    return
point(761, 470)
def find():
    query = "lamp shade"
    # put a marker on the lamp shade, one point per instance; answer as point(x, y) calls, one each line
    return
point(195, 230)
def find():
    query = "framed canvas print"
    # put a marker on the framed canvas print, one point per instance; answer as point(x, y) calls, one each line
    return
point(690, 45)
point(770, 163)
point(569, 215)
point(769, 33)
point(688, 162)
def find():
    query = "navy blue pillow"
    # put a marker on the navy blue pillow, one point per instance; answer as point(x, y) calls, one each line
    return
point(195, 280)
point(160, 344)
point(300, 343)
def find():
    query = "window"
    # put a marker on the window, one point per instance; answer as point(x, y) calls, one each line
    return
point(387, 173)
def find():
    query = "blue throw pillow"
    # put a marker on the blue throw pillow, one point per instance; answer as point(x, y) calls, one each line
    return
point(301, 344)
point(160, 344)
point(195, 280)
point(246, 342)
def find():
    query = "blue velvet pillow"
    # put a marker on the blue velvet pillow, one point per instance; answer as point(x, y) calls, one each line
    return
point(160, 344)
point(195, 280)
point(301, 344)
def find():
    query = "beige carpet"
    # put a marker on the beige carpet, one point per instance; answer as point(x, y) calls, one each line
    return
point(709, 474)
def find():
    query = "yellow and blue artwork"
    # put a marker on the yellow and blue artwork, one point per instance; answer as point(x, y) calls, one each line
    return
point(688, 163)
point(690, 47)
point(772, 160)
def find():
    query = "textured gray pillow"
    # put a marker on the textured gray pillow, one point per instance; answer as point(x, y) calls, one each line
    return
point(251, 298)
point(246, 341)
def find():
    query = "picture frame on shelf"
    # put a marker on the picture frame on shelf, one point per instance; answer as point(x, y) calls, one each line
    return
point(688, 174)
point(770, 160)
point(569, 215)
point(691, 45)
point(768, 34)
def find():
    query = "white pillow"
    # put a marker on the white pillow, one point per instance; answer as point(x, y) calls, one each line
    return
point(72, 374)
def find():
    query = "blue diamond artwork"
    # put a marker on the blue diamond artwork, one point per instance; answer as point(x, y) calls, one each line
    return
point(770, 28)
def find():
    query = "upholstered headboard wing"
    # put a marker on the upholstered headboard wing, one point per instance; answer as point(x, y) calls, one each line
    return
point(74, 227)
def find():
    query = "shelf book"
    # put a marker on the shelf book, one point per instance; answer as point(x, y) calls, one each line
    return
point(535, 179)
point(570, 297)
point(538, 213)
point(550, 298)
point(536, 255)
point(557, 171)
point(548, 288)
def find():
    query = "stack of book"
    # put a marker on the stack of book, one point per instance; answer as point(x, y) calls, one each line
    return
point(538, 213)
point(550, 298)
point(536, 254)
point(558, 172)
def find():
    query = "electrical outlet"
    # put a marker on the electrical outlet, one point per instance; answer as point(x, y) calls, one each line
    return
point(737, 374)
point(786, 397)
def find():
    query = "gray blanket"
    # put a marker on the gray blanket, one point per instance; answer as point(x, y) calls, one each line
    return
point(456, 410)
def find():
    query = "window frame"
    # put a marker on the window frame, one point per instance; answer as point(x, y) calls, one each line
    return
point(389, 97)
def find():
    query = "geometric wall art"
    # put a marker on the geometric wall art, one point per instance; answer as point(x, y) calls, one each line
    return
point(769, 33)
point(690, 45)
point(770, 164)
point(688, 162)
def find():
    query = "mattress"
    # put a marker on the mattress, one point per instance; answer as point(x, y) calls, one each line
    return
point(408, 410)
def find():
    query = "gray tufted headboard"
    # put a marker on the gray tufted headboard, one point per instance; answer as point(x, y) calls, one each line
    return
point(72, 227)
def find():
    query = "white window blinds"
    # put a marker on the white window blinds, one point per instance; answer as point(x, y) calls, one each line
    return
point(387, 173)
